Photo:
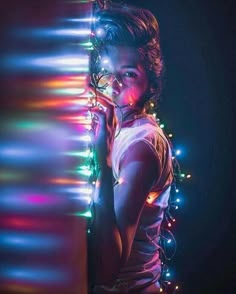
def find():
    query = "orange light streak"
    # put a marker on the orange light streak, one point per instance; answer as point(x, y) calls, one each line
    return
point(64, 181)
point(47, 104)
point(63, 84)
point(76, 119)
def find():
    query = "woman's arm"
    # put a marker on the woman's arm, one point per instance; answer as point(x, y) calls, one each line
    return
point(117, 211)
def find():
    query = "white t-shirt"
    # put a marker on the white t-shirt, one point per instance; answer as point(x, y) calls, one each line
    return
point(143, 267)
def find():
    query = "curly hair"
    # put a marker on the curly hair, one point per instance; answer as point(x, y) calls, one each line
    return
point(136, 27)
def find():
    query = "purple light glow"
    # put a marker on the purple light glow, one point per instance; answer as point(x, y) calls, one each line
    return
point(28, 201)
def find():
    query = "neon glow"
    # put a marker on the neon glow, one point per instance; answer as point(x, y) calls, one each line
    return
point(85, 19)
point(16, 200)
point(80, 190)
point(178, 152)
point(68, 91)
point(32, 223)
point(63, 63)
point(84, 154)
point(65, 181)
point(19, 153)
point(55, 32)
point(85, 172)
point(85, 214)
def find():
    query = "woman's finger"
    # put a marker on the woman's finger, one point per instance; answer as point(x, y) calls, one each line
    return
point(103, 99)
point(101, 119)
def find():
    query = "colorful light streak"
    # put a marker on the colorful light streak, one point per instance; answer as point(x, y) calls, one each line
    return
point(58, 32)
point(51, 103)
point(25, 154)
point(39, 195)
point(61, 63)
point(23, 223)
point(7, 175)
point(66, 181)
point(67, 91)
point(87, 213)
point(85, 172)
point(39, 275)
point(15, 200)
point(73, 81)
point(80, 190)
point(30, 242)
point(85, 19)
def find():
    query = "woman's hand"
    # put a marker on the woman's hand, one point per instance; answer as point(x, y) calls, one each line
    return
point(104, 124)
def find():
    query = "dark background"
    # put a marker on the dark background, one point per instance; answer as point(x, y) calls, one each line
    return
point(197, 107)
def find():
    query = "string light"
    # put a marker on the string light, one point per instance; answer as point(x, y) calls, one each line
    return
point(178, 152)
point(168, 243)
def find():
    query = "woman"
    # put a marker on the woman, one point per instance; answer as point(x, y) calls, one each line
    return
point(132, 152)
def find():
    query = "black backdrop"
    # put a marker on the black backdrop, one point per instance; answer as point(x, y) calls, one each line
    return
point(197, 105)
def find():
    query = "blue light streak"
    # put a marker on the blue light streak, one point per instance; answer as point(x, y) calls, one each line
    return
point(59, 63)
point(40, 275)
point(85, 19)
point(29, 242)
point(25, 154)
point(52, 32)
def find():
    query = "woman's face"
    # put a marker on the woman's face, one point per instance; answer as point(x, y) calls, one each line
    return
point(124, 74)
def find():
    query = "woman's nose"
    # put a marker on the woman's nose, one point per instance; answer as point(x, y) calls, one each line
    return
point(116, 86)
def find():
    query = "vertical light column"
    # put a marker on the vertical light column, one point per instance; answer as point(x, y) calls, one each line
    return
point(46, 157)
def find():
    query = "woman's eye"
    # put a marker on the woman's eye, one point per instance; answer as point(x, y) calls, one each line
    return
point(130, 74)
